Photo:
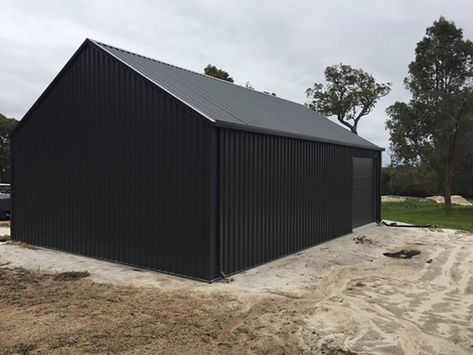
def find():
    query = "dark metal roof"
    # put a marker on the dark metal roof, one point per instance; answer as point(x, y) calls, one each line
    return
point(232, 105)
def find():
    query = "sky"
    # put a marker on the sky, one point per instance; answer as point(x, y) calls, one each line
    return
point(279, 46)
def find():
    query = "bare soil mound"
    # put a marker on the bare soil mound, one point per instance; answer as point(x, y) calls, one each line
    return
point(389, 198)
point(456, 200)
point(71, 275)
point(41, 314)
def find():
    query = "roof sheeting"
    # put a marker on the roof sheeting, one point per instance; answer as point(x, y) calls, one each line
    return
point(228, 104)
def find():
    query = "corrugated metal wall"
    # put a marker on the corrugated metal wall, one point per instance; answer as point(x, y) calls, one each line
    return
point(279, 195)
point(109, 166)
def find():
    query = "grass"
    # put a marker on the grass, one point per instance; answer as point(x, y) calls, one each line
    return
point(421, 211)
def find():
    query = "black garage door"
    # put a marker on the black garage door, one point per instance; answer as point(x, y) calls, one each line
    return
point(363, 211)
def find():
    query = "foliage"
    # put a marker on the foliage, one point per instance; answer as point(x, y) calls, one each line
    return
point(420, 211)
point(6, 127)
point(212, 70)
point(435, 128)
point(408, 181)
point(349, 94)
point(463, 182)
point(405, 180)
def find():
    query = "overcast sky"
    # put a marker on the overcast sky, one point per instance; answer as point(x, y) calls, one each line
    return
point(279, 46)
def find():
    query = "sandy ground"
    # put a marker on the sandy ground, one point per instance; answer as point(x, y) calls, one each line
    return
point(4, 229)
point(389, 198)
point(341, 297)
point(456, 200)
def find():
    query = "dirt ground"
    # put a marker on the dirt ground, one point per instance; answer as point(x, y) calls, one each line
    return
point(456, 199)
point(342, 297)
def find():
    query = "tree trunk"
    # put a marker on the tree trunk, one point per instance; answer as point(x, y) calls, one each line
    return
point(448, 193)
point(354, 128)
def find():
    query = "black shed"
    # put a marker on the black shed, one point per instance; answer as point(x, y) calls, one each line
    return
point(130, 159)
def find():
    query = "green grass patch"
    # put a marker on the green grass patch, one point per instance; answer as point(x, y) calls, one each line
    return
point(421, 211)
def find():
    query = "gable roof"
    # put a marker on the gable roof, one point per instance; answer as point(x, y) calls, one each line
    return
point(231, 105)
point(226, 104)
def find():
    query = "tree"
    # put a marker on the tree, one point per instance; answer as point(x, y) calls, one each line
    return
point(212, 70)
point(6, 127)
point(349, 94)
point(248, 85)
point(435, 128)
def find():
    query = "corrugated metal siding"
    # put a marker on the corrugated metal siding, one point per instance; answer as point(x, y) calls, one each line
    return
point(110, 166)
point(279, 195)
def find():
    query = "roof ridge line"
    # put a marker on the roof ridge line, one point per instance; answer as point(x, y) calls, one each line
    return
point(103, 46)
point(134, 57)
point(194, 72)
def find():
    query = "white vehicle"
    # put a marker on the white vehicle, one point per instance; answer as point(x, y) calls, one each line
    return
point(5, 188)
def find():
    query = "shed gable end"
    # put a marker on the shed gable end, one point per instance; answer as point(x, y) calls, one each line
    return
point(105, 165)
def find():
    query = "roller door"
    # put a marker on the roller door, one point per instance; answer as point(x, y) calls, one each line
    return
point(363, 196)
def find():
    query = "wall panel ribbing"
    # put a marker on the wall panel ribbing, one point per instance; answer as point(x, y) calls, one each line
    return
point(279, 195)
point(108, 165)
